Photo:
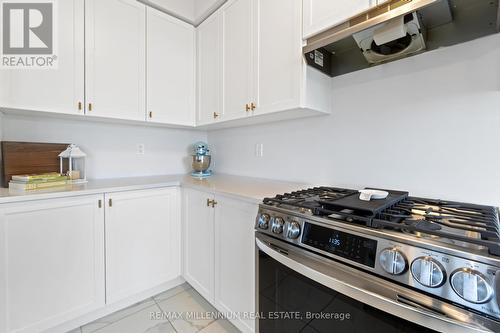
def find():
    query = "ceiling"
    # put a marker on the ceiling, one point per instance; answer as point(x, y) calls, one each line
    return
point(191, 11)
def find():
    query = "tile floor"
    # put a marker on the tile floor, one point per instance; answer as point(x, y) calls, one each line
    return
point(179, 300)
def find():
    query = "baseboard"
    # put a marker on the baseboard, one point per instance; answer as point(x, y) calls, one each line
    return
point(110, 308)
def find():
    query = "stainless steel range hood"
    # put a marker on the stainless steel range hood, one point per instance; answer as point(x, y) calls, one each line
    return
point(443, 23)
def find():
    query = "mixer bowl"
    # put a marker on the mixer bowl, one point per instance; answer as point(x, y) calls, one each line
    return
point(201, 163)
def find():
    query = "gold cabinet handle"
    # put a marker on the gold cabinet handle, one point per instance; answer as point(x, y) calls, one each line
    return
point(79, 106)
point(209, 202)
point(150, 114)
point(253, 106)
point(247, 107)
point(99, 203)
point(214, 203)
point(110, 202)
point(90, 107)
point(216, 115)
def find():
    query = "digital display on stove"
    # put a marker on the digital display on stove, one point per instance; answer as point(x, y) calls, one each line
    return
point(356, 248)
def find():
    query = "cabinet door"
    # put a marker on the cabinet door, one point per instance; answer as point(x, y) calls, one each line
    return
point(235, 258)
point(55, 90)
point(237, 58)
point(142, 241)
point(320, 15)
point(170, 69)
point(198, 224)
point(115, 58)
point(51, 262)
point(279, 60)
point(209, 39)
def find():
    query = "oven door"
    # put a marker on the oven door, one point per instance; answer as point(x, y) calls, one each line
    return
point(299, 291)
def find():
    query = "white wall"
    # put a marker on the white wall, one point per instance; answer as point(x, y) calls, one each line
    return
point(428, 124)
point(111, 148)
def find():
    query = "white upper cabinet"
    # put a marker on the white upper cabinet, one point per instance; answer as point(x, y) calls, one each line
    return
point(170, 70)
point(320, 15)
point(116, 59)
point(143, 248)
point(238, 57)
point(283, 81)
point(51, 262)
point(54, 90)
point(279, 59)
point(264, 73)
point(209, 78)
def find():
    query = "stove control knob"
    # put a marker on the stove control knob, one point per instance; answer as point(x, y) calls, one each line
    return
point(428, 272)
point(277, 225)
point(263, 222)
point(393, 261)
point(471, 285)
point(293, 230)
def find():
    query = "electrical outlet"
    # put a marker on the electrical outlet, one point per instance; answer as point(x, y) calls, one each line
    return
point(140, 149)
point(259, 150)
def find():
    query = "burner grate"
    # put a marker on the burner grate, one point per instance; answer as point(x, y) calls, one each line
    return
point(443, 220)
point(310, 199)
point(446, 219)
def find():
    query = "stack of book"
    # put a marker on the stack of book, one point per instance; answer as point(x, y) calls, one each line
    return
point(35, 182)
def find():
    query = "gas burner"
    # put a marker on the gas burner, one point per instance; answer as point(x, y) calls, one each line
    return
point(461, 224)
point(466, 225)
point(424, 225)
point(309, 201)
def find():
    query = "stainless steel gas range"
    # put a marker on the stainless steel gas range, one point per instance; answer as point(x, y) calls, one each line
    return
point(399, 264)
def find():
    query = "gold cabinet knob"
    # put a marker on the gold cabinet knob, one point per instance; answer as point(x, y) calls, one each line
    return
point(211, 203)
point(247, 107)
point(253, 106)
point(216, 115)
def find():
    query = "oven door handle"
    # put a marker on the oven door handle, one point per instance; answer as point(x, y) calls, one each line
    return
point(374, 291)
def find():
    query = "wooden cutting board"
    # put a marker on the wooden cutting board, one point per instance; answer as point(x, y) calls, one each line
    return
point(20, 158)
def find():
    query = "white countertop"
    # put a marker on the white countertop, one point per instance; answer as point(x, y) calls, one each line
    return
point(254, 189)
point(246, 188)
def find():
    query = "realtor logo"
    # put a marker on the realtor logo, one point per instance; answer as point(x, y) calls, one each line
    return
point(28, 34)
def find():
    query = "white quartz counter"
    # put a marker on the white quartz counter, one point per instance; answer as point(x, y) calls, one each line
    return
point(254, 189)
point(246, 188)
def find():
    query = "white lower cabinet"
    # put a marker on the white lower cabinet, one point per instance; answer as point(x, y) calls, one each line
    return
point(198, 236)
point(62, 259)
point(234, 259)
point(68, 258)
point(51, 262)
point(142, 241)
point(219, 252)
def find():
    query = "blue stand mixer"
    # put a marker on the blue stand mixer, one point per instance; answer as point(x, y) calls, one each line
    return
point(201, 160)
